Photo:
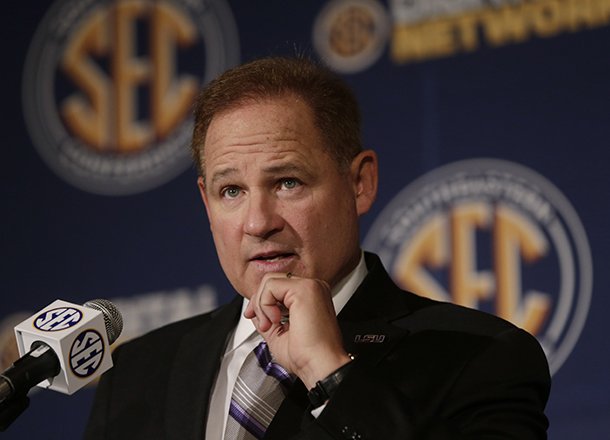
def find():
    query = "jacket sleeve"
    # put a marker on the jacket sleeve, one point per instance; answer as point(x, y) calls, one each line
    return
point(496, 391)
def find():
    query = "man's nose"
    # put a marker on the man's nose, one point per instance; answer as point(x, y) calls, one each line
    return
point(262, 216)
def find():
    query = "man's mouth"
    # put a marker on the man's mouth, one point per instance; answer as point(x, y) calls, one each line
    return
point(272, 257)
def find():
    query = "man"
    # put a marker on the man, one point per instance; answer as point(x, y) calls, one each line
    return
point(284, 179)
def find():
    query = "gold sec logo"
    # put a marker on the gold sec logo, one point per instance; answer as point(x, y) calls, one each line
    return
point(350, 35)
point(493, 235)
point(108, 87)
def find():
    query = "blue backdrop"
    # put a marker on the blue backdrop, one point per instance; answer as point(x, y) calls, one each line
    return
point(491, 121)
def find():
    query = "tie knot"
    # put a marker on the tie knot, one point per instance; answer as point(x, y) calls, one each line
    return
point(271, 368)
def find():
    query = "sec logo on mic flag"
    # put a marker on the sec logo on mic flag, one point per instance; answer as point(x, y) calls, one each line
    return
point(58, 319)
point(86, 353)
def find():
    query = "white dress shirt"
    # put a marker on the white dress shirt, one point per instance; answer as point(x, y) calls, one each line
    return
point(244, 339)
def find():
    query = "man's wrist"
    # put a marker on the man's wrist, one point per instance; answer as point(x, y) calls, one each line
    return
point(325, 388)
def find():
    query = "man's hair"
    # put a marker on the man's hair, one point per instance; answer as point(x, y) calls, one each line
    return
point(333, 105)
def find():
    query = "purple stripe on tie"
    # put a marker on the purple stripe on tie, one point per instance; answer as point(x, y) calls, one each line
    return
point(271, 368)
point(245, 420)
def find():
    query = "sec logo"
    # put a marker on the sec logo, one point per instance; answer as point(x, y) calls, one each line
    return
point(108, 87)
point(86, 353)
point(350, 35)
point(497, 236)
point(57, 319)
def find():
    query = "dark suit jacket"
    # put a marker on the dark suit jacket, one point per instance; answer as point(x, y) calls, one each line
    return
point(424, 370)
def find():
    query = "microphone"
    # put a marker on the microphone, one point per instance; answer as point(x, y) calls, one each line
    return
point(66, 346)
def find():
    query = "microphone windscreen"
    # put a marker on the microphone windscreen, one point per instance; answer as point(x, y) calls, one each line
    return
point(112, 317)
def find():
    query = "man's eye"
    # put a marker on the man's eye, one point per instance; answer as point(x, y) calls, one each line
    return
point(289, 183)
point(230, 192)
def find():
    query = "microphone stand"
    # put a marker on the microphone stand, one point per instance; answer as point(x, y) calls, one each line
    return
point(17, 380)
point(12, 408)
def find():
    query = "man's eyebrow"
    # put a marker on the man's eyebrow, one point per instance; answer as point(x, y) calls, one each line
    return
point(287, 168)
point(283, 169)
point(221, 174)
point(290, 170)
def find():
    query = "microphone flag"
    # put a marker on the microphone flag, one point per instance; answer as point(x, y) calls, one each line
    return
point(77, 334)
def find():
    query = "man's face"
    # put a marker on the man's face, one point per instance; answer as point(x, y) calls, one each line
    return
point(275, 199)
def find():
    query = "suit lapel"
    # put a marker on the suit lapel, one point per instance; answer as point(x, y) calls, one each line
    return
point(366, 320)
point(194, 372)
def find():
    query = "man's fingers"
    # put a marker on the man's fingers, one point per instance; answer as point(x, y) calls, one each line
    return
point(267, 303)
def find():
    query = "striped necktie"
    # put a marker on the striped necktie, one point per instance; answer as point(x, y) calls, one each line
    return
point(260, 388)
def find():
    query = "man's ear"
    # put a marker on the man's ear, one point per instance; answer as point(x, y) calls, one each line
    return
point(364, 174)
point(204, 196)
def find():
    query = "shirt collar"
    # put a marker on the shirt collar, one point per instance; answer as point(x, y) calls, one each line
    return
point(342, 292)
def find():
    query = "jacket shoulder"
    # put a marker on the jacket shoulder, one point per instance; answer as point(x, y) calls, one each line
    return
point(166, 338)
point(442, 316)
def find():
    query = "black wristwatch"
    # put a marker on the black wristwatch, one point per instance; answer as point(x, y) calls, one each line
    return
point(326, 387)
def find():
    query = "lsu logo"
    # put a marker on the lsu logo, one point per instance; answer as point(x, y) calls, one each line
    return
point(86, 353)
point(369, 339)
point(57, 319)
point(492, 235)
point(108, 87)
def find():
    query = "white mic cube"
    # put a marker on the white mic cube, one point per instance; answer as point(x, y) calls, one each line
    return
point(77, 335)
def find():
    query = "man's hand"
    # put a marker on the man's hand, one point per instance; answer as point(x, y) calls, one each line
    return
point(309, 344)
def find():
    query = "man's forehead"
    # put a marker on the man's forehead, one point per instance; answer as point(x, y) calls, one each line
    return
point(262, 108)
point(266, 129)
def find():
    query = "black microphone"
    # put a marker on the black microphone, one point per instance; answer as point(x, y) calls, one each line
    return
point(39, 364)
point(62, 338)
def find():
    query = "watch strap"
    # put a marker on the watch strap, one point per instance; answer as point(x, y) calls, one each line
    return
point(326, 387)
